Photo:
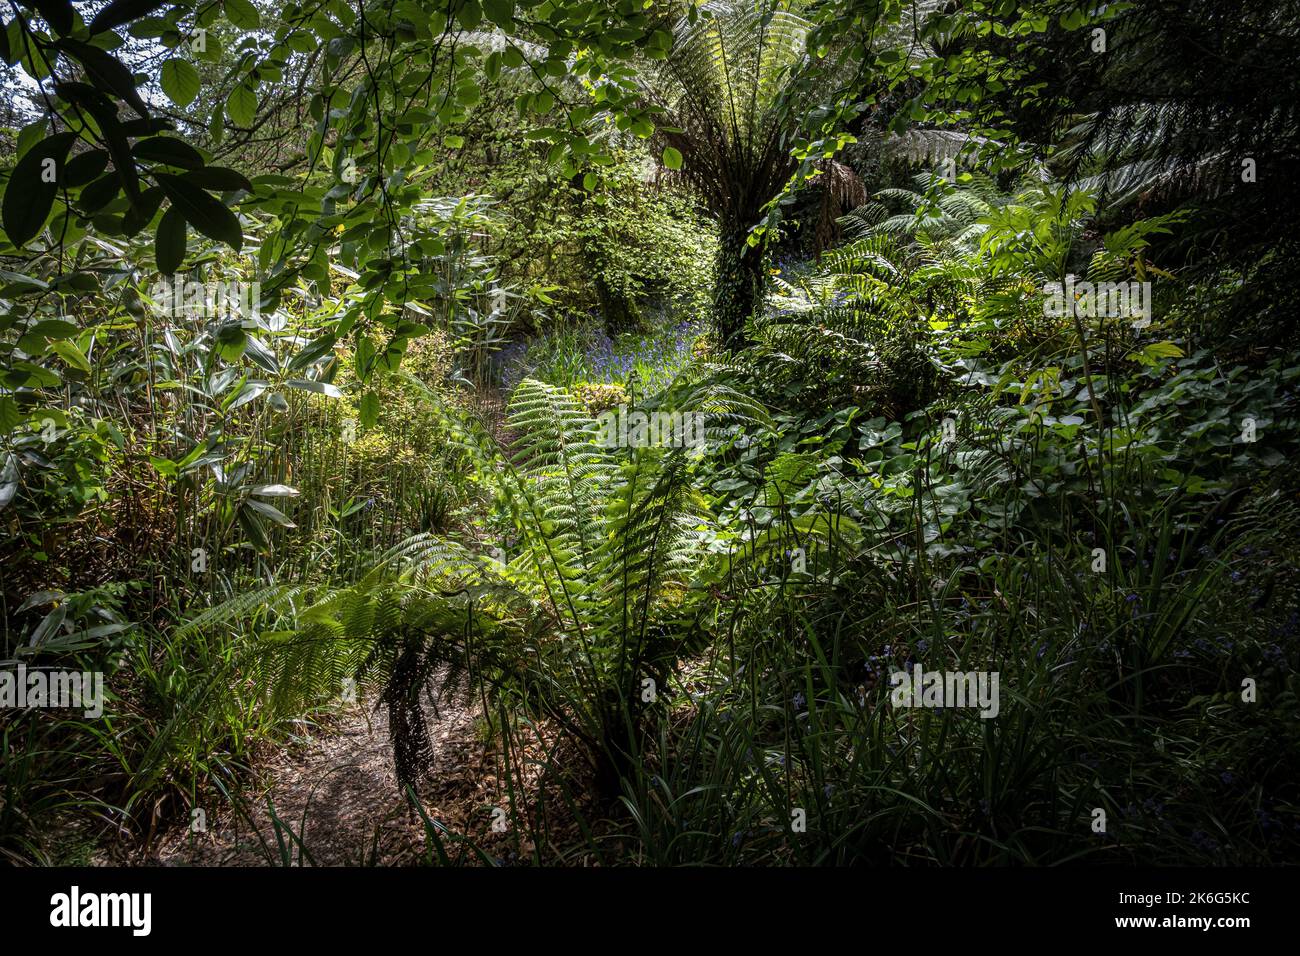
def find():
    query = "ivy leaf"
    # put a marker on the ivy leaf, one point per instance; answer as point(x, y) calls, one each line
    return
point(180, 81)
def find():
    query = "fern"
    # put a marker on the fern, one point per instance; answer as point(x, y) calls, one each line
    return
point(610, 545)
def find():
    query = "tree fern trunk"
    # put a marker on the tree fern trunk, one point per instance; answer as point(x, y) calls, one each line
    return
point(412, 748)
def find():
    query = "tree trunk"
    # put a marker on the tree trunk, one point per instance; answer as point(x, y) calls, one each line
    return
point(738, 287)
point(617, 310)
point(407, 730)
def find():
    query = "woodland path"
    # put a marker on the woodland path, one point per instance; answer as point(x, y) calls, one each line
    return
point(333, 786)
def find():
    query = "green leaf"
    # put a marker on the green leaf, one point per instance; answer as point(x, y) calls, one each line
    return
point(180, 81)
point(369, 410)
point(274, 491)
point(53, 329)
point(99, 193)
point(218, 178)
point(72, 355)
point(271, 511)
point(500, 12)
point(209, 216)
point(247, 393)
point(253, 528)
point(142, 213)
point(9, 414)
point(231, 341)
point(672, 158)
point(470, 14)
point(107, 73)
point(320, 388)
point(169, 151)
point(242, 14)
point(84, 167)
point(217, 125)
point(57, 13)
point(241, 105)
point(122, 11)
point(32, 186)
point(164, 466)
point(169, 241)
